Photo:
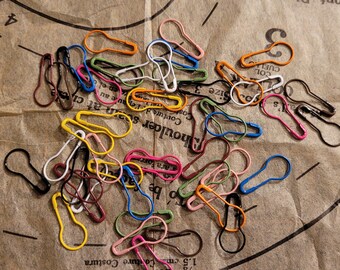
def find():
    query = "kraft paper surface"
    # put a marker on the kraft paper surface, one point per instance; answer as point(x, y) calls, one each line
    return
point(291, 224)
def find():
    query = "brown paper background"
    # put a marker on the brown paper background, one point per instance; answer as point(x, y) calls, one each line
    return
point(234, 28)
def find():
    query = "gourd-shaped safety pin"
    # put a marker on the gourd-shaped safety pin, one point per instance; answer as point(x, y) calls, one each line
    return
point(119, 115)
point(41, 177)
point(328, 113)
point(208, 189)
point(67, 162)
point(197, 146)
point(73, 70)
point(84, 127)
point(264, 166)
point(252, 64)
point(113, 85)
point(64, 98)
point(103, 66)
point(233, 119)
point(185, 35)
point(169, 161)
point(121, 240)
point(242, 239)
point(140, 239)
point(62, 53)
point(154, 60)
point(233, 132)
point(166, 212)
point(181, 102)
point(271, 88)
point(132, 45)
point(286, 108)
point(131, 176)
point(302, 109)
point(223, 66)
point(61, 239)
point(45, 62)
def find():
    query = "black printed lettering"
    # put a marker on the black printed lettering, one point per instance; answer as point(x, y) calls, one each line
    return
point(269, 38)
point(11, 19)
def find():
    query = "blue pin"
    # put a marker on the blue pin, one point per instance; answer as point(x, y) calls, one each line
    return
point(132, 176)
point(264, 166)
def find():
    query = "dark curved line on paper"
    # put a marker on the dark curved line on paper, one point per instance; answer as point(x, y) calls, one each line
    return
point(29, 50)
point(41, 14)
point(19, 234)
point(91, 245)
point(286, 239)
